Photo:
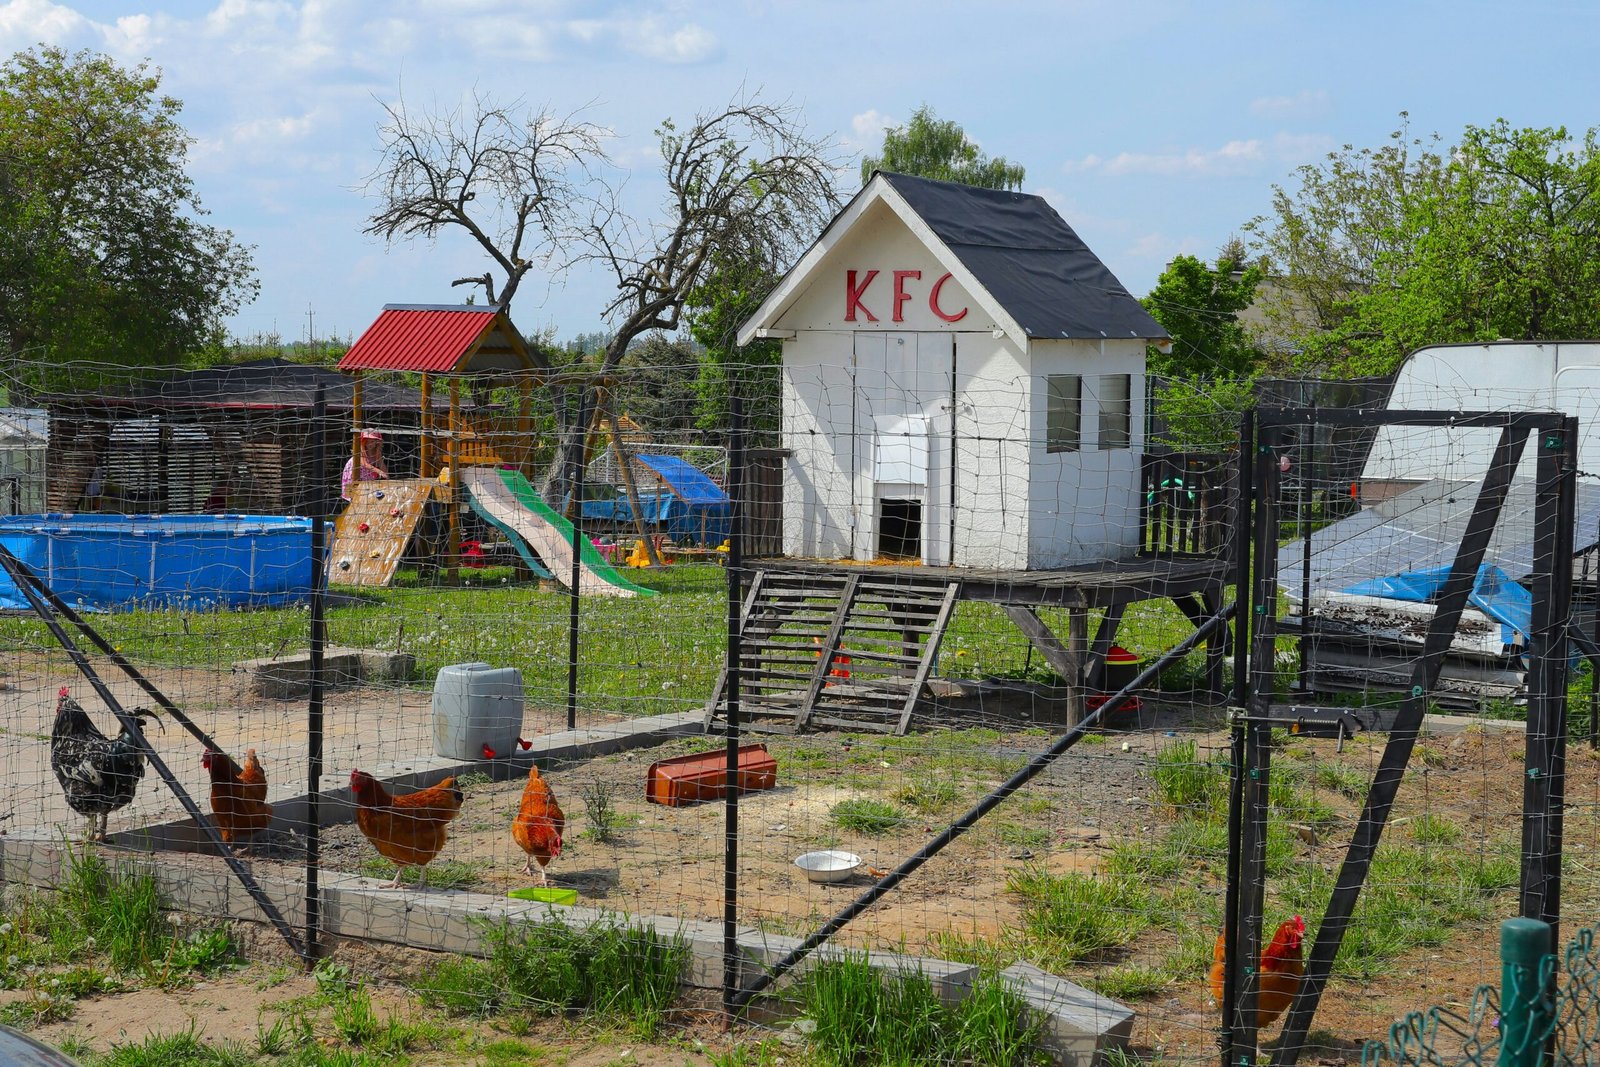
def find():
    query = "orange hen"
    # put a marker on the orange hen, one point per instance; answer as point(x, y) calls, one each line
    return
point(539, 823)
point(1282, 967)
point(238, 795)
point(407, 830)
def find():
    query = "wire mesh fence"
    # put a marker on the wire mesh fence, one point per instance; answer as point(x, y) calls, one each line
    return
point(899, 627)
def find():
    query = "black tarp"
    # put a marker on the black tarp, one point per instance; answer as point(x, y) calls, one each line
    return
point(1029, 260)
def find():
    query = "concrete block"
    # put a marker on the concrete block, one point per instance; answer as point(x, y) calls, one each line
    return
point(704, 940)
point(1078, 1024)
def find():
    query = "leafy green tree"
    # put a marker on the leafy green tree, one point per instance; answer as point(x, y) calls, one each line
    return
point(931, 147)
point(1199, 306)
point(731, 294)
point(103, 254)
point(1380, 251)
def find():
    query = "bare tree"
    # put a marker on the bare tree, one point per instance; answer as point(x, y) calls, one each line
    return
point(520, 186)
point(744, 183)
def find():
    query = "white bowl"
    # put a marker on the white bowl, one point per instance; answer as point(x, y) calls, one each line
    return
point(829, 865)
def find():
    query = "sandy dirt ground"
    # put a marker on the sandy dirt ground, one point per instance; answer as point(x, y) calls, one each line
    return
point(669, 861)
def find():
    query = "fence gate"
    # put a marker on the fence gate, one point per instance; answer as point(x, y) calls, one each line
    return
point(1456, 537)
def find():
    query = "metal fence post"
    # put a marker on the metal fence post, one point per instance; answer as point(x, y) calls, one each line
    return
point(1524, 943)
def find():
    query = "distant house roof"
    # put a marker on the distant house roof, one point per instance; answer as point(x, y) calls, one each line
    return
point(1013, 246)
point(257, 384)
point(448, 339)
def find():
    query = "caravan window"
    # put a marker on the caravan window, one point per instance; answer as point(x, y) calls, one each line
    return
point(1063, 413)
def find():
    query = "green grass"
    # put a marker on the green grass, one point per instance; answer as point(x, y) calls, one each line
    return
point(639, 656)
point(1186, 782)
point(185, 1048)
point(1072, 917)
point(623, 975)
point(866, 1018)
point(866, 815)
point(442, 874)
point(1349, 782)
point(928, 794)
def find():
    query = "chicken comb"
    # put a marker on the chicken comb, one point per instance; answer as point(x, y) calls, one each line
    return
point(64, 691)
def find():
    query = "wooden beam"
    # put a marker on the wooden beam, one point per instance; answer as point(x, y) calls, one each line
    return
point(355, 426)
point(1066, 659)
point(453, 545)
point(425, 447)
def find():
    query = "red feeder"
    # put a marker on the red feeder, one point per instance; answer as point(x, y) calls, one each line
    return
point(704, 776)
point(363, 527)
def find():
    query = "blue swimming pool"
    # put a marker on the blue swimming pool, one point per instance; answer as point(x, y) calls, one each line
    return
point(126, 561)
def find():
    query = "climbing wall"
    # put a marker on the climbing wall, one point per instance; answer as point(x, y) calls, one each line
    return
point(370, 537)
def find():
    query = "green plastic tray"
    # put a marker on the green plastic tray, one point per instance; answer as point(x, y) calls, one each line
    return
point(545, 894)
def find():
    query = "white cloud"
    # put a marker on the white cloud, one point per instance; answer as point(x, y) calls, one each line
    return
point(1308, 103)
point(1234, 157)
point(650, 36)
point(24, 23)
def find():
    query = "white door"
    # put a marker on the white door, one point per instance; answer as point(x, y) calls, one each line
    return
point(902, 391)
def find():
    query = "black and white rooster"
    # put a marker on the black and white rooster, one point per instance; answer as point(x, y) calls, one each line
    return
point(98, 774)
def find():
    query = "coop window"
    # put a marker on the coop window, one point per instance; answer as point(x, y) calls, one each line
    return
point(1116, 411)
point(1063, 413)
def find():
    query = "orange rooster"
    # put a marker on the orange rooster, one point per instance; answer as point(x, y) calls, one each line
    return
point(238, 795)
point(538, 825)
point(1282, 967)
point(407, 830)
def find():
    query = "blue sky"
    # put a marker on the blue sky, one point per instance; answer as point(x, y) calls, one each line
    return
point(1154, 127)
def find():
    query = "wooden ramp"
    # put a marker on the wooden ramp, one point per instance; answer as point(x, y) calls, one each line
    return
point(847, 651)
point(392, 510)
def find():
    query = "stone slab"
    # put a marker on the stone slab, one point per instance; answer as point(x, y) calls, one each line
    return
point(1079, 1025)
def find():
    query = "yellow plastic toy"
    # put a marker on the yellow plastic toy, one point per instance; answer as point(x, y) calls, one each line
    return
point(639, 557)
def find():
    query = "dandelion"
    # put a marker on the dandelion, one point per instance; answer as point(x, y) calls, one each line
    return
point(174, 918)
point(88, 943)
point(55, 983)
point(5, 929)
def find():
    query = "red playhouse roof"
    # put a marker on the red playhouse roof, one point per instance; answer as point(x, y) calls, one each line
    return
point(439, 340)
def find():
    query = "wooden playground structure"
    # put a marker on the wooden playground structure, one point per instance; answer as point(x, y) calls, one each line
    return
point(445, 347)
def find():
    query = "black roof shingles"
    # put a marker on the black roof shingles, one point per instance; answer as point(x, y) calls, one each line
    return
point(1029, 260)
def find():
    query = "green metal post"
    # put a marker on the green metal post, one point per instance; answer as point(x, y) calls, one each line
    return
point(1524, 943)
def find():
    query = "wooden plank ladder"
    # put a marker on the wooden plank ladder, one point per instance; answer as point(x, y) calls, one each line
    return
point(830, 650)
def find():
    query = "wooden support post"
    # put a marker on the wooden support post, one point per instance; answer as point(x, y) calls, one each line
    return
point(355, 427)
point(1066, 659)
point(525, 424)
point(629, 487)
point(425, 446)
point(452, 491)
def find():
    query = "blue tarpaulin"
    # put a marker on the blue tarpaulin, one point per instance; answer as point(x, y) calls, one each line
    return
point(693, 510)
point(1493, 593)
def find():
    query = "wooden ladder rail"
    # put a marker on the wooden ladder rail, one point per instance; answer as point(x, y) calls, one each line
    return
point(825, 655)
point(930, 652)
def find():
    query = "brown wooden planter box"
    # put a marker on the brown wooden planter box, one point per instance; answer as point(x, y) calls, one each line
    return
point(704, 776)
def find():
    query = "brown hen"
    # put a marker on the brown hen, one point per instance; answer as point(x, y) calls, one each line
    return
point(238, 795)
point(407, 830)
point(539, 823)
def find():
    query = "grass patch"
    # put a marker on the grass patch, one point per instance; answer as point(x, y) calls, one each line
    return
point(182, 1049)
point(1189, 784)
point(1433, 830)
point(865, 815)
point(866, 1018)
point(1072, 917)
point(928, 794)
point(1349, 782)
point(442, 874)
point(624, 975)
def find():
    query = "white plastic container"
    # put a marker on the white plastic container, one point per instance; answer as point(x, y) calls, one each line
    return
point(477, 709)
